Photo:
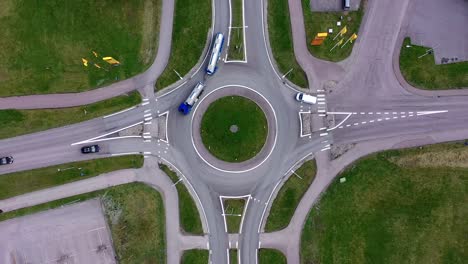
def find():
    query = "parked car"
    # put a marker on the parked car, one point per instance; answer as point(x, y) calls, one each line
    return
point(306, 98)
point(6, 160)
point(90, 149)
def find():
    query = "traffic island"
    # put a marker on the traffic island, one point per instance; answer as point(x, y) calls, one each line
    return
point(234, 129)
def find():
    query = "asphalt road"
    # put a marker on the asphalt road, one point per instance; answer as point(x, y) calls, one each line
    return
point(361, 90)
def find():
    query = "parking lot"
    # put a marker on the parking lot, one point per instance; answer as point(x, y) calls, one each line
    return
point(440, 25)
point(73, 234)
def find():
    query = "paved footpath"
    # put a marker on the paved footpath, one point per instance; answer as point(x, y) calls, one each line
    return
point(150, 174)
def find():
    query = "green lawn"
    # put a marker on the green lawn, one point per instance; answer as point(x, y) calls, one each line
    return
point(395, 207)
point(279, 31)
point(233, 210)
point(42, 43)
point(189, 216)
point(316, 22)
point(192, 21)
point(267, 256)
point(20, 122)
point(289, 196)
point(22, 182)
point(424, 73)
point(195, 256)
point(234, 146)
point(236, 45)
point(135, 213)
point(233, 256)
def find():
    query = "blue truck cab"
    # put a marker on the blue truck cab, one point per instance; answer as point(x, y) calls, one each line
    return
point(186, 106)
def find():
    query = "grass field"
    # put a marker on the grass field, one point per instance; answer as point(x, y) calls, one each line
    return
point(234, 146)
point(267, 256)
point(42, 43)
point(289, 196)
point(192, 20)
point(316, 22)
point(233, 256)
point(189, 216)
point(20, 122)
point(393, 208)
point(279, 31)
point(424, 73)
point(135, 213)
point(195, 256)
point(233, 210)
point(236, 43)
point(17, 183)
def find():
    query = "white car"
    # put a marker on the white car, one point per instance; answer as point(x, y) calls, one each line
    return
point(306, 98)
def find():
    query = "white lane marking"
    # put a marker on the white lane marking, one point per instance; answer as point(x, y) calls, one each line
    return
point(323, 134)
point(147, 110)
point(356, 124)
point(378, 120)
point(364, 122)
point(274, 117)
point(120, 112)
point(420, 113)
point(348, 125)
point(395, 117)
point(147, 153)
point(110, 133)
point(320, 99)
point(321, 103)
point(145, 99)
point(147, 123)
point(145, 103)
point(387, 118)
point(320, 95)
point(322, 115)
point(403, 116)
point(322, 110)
point(370, 113)
point(372, 121)
point(125, 153)
point(148, 118)
point(327, 148)
point(339, 124)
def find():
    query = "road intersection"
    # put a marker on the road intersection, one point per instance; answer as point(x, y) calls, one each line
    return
point(365, 103)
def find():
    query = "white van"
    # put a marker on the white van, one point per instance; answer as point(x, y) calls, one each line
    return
point(306, 98)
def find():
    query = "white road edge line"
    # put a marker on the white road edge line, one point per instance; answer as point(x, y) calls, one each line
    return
point(120, 112)
point(110, 133)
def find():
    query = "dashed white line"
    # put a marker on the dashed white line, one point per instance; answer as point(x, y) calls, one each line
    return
point(323, 134)
point(145, 103)
point(356, 124)
point(364, 122)
point(146, 115)
point(372, 121)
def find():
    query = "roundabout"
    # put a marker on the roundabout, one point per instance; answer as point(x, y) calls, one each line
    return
point(234, 129)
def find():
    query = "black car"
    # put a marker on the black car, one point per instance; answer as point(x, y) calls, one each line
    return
point(6, 160)
point(90, 149)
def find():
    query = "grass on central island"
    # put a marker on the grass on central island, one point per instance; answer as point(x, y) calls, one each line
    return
point(188, 212)
point(424, 73)
point(316, 22)
point(135, 213)
point(42, 43)
point(398, 206)
point(20, 122)
point(17, 183)
point(234, 146)
point(289, 196)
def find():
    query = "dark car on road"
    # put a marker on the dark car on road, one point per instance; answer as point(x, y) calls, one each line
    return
point(6, 160)
point(90, 149)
